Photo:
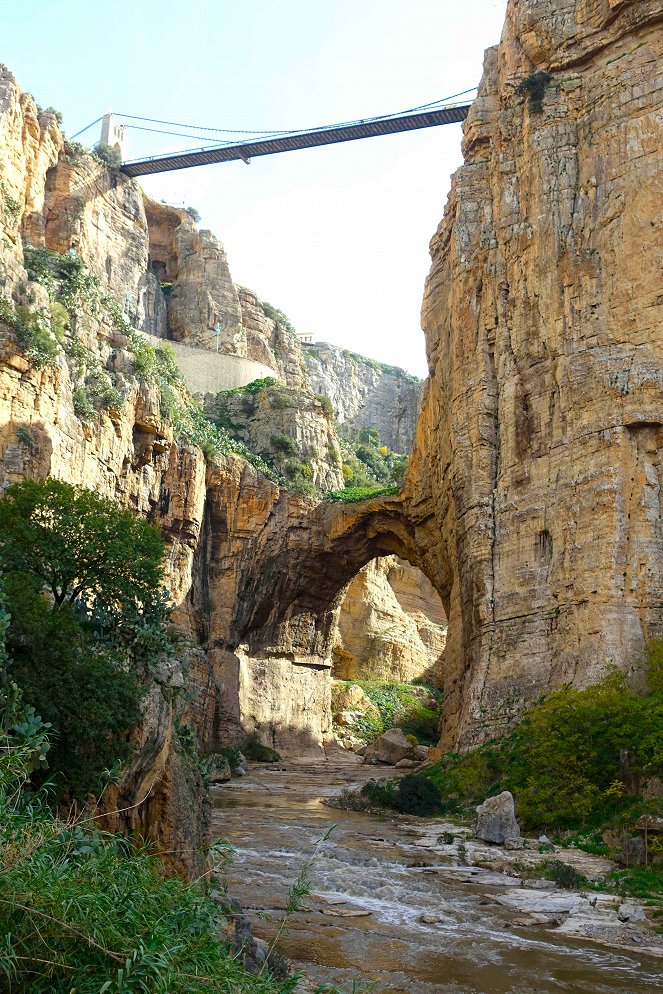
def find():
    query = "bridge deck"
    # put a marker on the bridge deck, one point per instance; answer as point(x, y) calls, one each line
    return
point(326, 136)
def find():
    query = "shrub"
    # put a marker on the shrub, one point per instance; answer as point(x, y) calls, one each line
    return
point(564, 875)
point(78, 545)
point(254, 749)
point(380, 792)
point(417, 796)
point(193, 214)
point(108, 155)
point(326, 404)
point(353, 495)
point(401, 705)
point(83, 406)
point(277, 316)
point(562, 761)
point(534, 87)
point(33, 336)
point(85, 911)
point(284, 445)
point(74, 684)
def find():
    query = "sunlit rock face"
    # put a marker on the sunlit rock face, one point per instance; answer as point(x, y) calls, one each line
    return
point(391, 626)
point(366, 394)
point(538, 449)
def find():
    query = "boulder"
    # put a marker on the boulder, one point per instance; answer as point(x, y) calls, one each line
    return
point(631, 913)
point(219, 771)
point(406, 764)
point(496, 821)
point(389, 748)
point(421, 753)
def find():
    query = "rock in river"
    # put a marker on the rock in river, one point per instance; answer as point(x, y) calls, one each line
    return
point(496, 821)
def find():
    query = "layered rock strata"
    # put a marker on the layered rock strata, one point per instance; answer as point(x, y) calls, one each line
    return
point(538, 449)
point(391, 626)
point(366, 394)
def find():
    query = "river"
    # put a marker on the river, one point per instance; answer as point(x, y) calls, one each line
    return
point(274, 819)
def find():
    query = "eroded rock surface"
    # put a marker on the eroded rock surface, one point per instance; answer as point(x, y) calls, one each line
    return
point(538, 445)
point(366, 394)
point(391, 626)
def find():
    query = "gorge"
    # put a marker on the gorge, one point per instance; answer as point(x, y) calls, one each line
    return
point(520, 550)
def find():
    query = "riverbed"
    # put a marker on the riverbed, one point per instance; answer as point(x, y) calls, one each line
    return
point(373, 881)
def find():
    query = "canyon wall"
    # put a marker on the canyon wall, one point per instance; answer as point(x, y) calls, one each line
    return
point(391, 626)
point(366, 393)
point(538, 449)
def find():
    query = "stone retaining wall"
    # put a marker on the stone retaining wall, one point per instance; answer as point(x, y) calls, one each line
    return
point(209, 372)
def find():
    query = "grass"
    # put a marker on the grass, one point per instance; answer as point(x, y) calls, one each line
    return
point(400, 706)
point(84, 911)
point(354, 495)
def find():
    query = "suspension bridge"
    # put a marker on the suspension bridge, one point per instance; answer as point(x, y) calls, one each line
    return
point(251, 144)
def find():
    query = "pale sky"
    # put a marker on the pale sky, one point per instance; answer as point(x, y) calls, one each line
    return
point(337, 237)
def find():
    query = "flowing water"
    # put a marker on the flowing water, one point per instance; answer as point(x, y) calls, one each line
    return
point(275, 818)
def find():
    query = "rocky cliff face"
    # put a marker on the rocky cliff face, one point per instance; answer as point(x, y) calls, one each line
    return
point(538, 449)
point(532, 502)
point(287, 426)
point(391, 626)
point(366, 394)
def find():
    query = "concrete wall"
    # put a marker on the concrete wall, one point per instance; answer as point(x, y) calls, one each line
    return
point(210, 372)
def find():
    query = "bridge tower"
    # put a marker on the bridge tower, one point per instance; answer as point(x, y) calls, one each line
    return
point(114, 134)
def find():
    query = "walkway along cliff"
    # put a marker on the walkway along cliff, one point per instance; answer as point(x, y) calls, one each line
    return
point(533, 498)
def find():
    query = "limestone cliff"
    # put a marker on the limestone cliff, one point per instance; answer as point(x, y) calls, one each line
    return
point(366, 394)
point(538, 449)
point(391, 626)
point(289, 427)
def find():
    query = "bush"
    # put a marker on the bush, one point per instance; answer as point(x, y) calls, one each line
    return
point(401, 706)
point(79, 546)
point(254, 749)
point(84, 911)
point(277, 316)
point(283, 444)
point(534, 87)
point(75, 685)
point(108, 155)
point(353, 495)
point(564, 875)
point(380, 792)
point(563, 762)
point(33, 336)
point(417, 796)
point(193, 214)
point(78, 653)
point(326, 404)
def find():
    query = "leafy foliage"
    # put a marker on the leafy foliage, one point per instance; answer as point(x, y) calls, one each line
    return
point(254, 749)
point(381, 367)
point(108, 155)
point(74, 683)
point(414, 708)
point(534, 87)
point(79, 545)
point(354, 495)
point(87, 620)
point(33, 335)
point(562, 761)
point(417, 796)
point(82, 910)
point(278, 316)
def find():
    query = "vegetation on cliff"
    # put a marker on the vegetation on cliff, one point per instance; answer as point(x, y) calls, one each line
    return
point(81, 622)
point(415, 708)
point(575, 761)
point(84, 911)
point(87, 620)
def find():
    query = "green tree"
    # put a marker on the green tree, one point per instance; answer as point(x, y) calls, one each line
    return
point(79, 545)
